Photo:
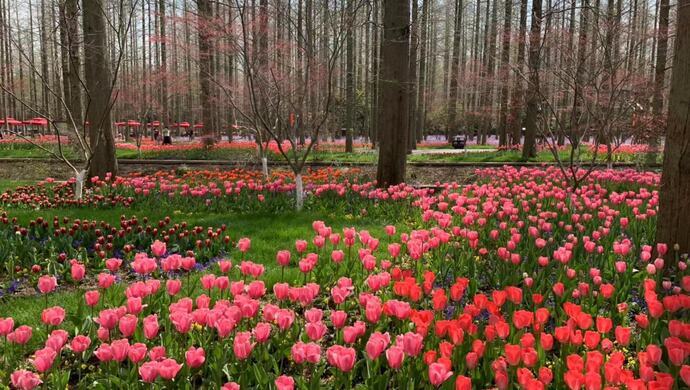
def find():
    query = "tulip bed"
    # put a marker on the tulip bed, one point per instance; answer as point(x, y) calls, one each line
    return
point(513, 281)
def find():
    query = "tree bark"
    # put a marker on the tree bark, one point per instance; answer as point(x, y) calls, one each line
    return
point(514, 123)
point(422, 81)
point(69, 37)
point(505, 75)
point(375, 48)
point(659, 74)
point(163, 63)
point(529, 148)
point(205, 62)
point(393, 87)
point(451, 126)
point(99, 87)
point(350, 78)
point(412, 99)
point(674, 198)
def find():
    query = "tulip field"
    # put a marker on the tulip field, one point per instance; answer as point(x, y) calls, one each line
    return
point(210, 280)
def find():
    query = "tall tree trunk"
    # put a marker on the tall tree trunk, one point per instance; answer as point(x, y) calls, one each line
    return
point(393, 84)
point(674, 198)
point(69, 37)
point(451, 126)
point(350, 78)
point(45, 95)
point(375, 48)
point(412, 99)
point(422, 81)
point(659, 74)
point(505, 75)
point(163, 63)
point(514, 122)
point(205, 62)
point(98, 85)
point(529, 148)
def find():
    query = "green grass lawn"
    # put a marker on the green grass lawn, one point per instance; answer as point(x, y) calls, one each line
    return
point(361, 155)
point(268, 232)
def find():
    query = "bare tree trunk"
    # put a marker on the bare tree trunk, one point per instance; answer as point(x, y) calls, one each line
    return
point(505, 76)
point(659, 74)
point(412, 99)
point(674, 198)
point(451, 126)
point(374, 74)
point(164, 63)
point(205, 63)
point(514, 122)
point(45, 94)
point(529, 148)
point(393, 90)
point(350, 77)
point(422, 80)
point(98, 81)
point(69, 37)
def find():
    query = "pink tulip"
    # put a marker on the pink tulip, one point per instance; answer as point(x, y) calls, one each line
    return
point(53, 316)
point(25, 380)
point(151, 326)
point(395, 356)
point(285, 382)
point(195, 357)
point(338, 318)
point(92, 297)
point(242, 345)
point(119, 349)
point(315, 330)
point(47, 284)
point(157, 353)
point(168, 368)
point(80, 343)
point(337, 256)
point(113, 264)
point(57, 339)
point(300, 246)
point(158, 248)
point(128, 325)
point(149, 372)
point(341, 357)
point(283, 258)
point(6, 326)
point(225, 266)
point(43, 359)
point(105, 280)
point(77, 270)
point(438, 373)
point(262, 332)
point(104, 353)
point(378, 342)
point(137, 352)
point(244, 244)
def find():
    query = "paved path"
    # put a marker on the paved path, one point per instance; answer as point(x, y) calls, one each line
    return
point(451, 151)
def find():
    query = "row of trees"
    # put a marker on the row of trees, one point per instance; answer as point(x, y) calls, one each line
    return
point(468, 61)
point(586, 70)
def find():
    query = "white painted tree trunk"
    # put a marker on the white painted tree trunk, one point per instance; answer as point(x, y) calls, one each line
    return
point(264, 166)
point(79, 184)
point(299, 192)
